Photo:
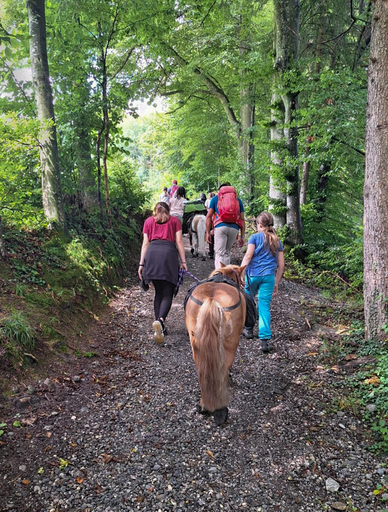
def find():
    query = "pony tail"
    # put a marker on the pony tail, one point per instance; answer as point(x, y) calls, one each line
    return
point(210, 356)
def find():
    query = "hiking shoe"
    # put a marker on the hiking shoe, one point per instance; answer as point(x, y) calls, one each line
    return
point(164, 328)
point(158, 331)
point(266, 346)
point(248, 333)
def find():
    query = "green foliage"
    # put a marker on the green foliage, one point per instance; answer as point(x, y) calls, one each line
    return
point(17, 334)
point(369, 386)
point(126, 191)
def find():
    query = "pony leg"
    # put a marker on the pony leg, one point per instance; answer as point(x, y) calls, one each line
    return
point(201, 236)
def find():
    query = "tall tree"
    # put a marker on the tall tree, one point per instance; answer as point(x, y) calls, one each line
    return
point(376, 182)
point(48, 148)
point(283, 130)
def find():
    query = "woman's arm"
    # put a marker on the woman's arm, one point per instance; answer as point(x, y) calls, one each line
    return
point(248, 255)
point(143, 252)
point(209, 221)
point(181, 249)
point(279, 271)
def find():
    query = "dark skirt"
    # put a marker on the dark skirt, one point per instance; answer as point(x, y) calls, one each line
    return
point(161, 262)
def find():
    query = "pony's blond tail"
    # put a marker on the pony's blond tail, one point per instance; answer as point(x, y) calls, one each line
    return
point(210, 357)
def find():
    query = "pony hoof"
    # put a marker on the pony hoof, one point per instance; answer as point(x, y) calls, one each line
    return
point(221, 415)
point(203, 258)
point(192, 251)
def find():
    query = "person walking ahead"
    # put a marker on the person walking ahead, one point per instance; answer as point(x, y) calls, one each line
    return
point(264, 255)
point(162, 241)
point(226, 214)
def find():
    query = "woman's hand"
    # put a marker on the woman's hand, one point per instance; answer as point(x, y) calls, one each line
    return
point(140, 272)
point(184, 265)
point(275, 290)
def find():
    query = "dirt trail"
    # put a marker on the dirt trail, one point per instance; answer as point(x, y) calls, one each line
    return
point(121, 432)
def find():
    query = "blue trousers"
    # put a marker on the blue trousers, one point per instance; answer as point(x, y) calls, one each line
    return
point(262, 287)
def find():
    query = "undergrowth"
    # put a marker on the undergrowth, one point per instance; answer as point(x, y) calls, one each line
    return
point(364, 392)
point(50, 284)
point(17, 336)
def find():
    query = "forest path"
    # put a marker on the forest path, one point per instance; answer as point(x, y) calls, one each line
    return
point(120, 432)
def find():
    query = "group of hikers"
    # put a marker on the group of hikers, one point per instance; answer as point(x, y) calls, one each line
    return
point(225, 223)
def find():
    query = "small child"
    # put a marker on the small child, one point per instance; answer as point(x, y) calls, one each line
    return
point(264, 255)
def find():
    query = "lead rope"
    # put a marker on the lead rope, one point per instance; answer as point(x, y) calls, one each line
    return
point(182, 273)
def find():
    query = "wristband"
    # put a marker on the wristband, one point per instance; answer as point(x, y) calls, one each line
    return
point(141, 264)
point(183, 262)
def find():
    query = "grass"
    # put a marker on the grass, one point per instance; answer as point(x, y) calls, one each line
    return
point(17, 335)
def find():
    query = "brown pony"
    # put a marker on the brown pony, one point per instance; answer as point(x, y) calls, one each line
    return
point(215, 317)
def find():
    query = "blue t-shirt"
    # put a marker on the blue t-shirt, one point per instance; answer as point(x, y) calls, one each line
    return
point(263, 263)
point(214, 206)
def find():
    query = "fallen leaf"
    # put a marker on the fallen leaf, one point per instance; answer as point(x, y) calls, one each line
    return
point(312, 354)
point(210, 453)
point(48, 448)
point(73, 444)
point(373, 380)
point(26, 482)
point(105, 458)
point(80, 479)
point(29, 421)
point(349, 357)
point(49, 434)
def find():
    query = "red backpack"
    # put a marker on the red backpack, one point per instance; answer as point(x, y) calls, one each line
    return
point(173, 189)
point(228, 206)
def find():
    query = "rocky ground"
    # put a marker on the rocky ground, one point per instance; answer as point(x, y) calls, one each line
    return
point(120, 431)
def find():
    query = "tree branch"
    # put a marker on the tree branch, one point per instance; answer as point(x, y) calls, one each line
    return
point(124, 62)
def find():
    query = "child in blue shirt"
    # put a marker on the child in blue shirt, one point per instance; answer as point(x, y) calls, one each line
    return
point(265, 266)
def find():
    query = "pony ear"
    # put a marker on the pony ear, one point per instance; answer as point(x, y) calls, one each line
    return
point(222, 265)
point(241, 269)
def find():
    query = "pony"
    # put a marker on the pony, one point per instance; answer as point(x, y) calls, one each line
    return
point(197, 236)
point(214, 316)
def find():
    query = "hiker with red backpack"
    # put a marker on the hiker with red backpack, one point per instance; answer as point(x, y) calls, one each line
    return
point(226, 215)
point(173, 188)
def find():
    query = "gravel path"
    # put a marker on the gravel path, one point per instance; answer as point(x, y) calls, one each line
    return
point(120, 432)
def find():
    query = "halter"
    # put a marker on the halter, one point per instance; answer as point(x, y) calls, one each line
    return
point(225, 280)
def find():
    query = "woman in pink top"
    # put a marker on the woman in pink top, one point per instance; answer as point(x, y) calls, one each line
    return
point(162, 241)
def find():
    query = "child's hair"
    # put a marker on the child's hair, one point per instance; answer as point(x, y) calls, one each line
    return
point(161, 212)
point(270, 236)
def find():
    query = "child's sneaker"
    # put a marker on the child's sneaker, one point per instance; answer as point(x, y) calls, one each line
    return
point(158, 331)
point(266, 346)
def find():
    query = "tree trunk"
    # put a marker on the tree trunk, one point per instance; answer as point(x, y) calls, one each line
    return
point(98, 158)
point(323, 183)
point(86, 181)
point(247, 114)
point(286, 43)
point(277, 195)
point(376, 183)
point(3, 252)
point(48, 148)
